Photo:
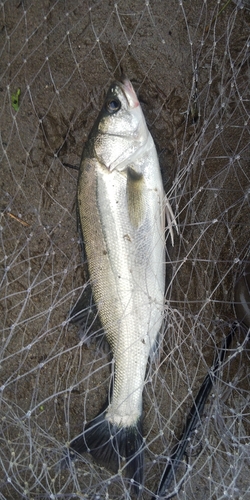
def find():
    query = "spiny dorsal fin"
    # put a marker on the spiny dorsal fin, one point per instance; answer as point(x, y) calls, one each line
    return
point(171, 221)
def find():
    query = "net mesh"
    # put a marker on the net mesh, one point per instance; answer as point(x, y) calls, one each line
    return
point(189, 64)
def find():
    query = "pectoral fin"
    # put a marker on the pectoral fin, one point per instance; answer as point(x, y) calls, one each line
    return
point(135, 196)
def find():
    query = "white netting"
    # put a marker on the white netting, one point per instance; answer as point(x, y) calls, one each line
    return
point(189, 63)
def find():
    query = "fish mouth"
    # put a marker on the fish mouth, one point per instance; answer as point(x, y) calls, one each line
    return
point(128, 90)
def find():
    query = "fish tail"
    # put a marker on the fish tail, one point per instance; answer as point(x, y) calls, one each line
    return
point(113, 446)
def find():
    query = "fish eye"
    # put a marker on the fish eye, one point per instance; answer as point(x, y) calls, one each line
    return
point(113, 105)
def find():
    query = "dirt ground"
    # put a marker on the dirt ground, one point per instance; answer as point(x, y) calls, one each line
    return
point(189, 64)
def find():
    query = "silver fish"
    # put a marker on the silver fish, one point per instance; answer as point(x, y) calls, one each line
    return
point(121, 207)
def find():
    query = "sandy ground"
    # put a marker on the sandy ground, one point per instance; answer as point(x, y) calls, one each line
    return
point(195, 96)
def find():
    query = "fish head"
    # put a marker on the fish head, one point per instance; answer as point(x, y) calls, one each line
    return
point(120, 132)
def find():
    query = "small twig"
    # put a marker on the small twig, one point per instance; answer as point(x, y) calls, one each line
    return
point(18, 219)
point(217, 15)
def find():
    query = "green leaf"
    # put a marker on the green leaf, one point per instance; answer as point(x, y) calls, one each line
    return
point(15, 100)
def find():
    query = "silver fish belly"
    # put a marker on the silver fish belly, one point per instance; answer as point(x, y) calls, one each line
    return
point(121, 206)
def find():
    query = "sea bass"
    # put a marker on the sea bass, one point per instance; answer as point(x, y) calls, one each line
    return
point(121, 209)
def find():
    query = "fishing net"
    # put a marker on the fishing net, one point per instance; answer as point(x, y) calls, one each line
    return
point(189, 64)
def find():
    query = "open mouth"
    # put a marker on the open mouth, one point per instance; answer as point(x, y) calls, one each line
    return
point(129, 92)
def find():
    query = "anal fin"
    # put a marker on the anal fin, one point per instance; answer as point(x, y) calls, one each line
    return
point(85, 315)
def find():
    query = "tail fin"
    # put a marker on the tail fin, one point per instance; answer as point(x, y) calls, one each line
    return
point(113, 446)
